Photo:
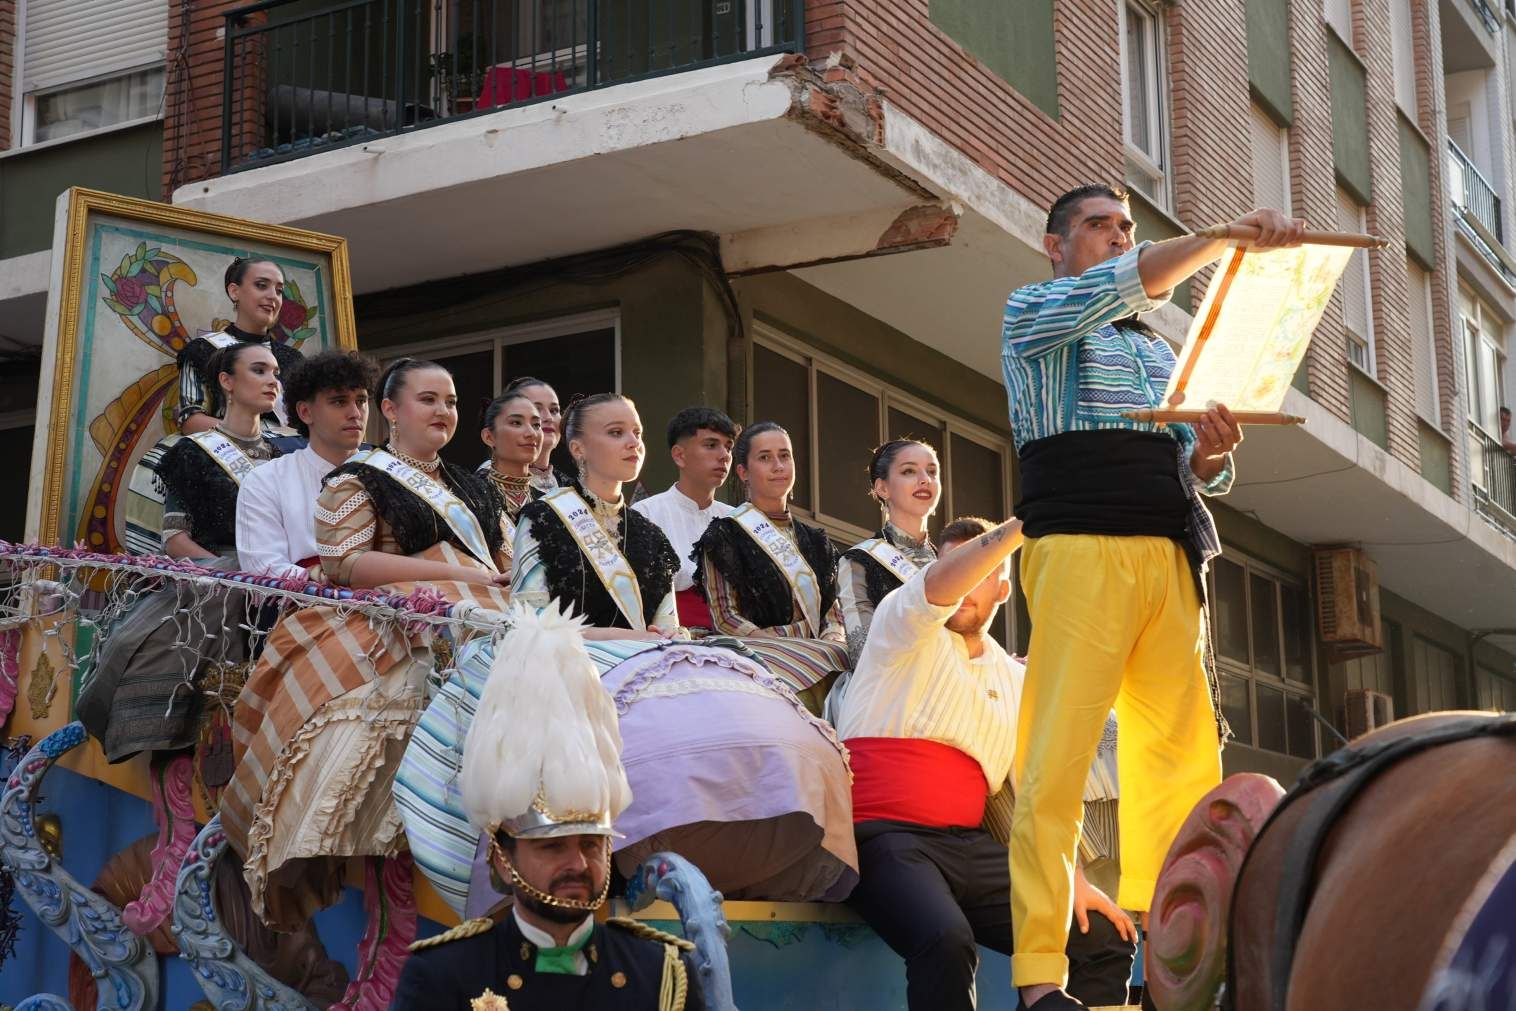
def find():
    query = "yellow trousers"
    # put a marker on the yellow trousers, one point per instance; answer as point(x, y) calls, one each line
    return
point(1115, 621)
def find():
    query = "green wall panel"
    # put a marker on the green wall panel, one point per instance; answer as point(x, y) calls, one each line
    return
point(1416, 190)
point(1350, 126)
point(1269, 56)
point(1368, 408)
point(1014, 39)
point(128, 162)
point(1436, 458)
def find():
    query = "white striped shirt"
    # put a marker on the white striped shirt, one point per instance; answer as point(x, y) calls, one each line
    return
point(682, 522)
point(916, 680)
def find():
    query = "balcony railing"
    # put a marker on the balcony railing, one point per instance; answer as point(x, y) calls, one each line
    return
point(299, 81)
point(1472, 192)
point(1494, 473)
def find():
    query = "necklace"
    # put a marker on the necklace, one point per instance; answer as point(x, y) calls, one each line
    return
point(421, 465)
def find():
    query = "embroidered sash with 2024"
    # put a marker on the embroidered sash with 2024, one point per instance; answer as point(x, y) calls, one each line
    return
point(783, 552)
point(227, 455)
point(896, 562)
point(610, 564)
point(460, 519)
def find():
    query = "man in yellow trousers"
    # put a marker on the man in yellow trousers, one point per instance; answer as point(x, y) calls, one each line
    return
point(1117, 539)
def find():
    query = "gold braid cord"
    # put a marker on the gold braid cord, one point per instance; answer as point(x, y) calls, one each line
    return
point(675, 987)
point(468, 928)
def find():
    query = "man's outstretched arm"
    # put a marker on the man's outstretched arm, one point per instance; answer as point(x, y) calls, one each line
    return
point(957, 572)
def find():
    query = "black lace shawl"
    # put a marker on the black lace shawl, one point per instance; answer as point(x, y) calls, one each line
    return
point(416, 525)
point(763, 592)
point(205, 490)
point(877, 580)
point(570, 580)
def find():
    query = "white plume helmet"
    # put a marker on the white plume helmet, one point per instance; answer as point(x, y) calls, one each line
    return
point(543, 754)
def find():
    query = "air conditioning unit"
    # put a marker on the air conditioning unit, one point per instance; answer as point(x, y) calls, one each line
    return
point(1347, 602)
point(1364, 710)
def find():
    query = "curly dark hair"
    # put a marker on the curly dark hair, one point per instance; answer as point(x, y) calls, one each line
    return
point(329, 370)
point(692, 419)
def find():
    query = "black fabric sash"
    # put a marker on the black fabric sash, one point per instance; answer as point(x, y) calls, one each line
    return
point(1116, 482)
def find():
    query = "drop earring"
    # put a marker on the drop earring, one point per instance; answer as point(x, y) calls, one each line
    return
point(583, 470)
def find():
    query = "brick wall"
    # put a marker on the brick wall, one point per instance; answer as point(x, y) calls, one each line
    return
point(931, 78)
point(7, 68)
point(193, 93)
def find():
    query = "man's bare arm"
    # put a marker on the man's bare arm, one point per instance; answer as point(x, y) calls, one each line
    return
point(957, 572)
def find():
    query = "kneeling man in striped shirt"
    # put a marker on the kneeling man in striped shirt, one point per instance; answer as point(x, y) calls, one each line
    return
point(930, 718)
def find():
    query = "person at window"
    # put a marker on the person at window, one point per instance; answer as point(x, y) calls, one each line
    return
point(545, 477)
point(770, 579)
point(1506, 439)
point(580, 544)
point(256, 289)
point(158, 663)
point(327, 709)
point(906, 480)
point(1117, 539)
point(700, 441)
point(326, 397)
point(511, 426)
point(930, 720)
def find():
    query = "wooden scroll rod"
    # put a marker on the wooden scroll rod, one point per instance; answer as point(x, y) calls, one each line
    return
point(1243, 234)
point(1176, 415)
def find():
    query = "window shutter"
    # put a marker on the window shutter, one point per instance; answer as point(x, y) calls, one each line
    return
point(68, 41)
point(1419, 287)
point(1271, 163)
point(1355, 281)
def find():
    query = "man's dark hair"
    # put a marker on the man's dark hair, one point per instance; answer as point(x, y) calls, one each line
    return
point(1061, 215)
point(692, 419)
point(330, 370)
point(964, 529)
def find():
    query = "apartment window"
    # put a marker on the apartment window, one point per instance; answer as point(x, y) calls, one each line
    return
point(82, 72)
point(1339, 14)
point(1261, 630)
point(1353, 289)
point(1271, 162)
point(1402, 41)
point(1434, 677)
point(577, 355)
point(1144, 83)
point(1484, 361)
point(1423, 346)
point(1494, 690)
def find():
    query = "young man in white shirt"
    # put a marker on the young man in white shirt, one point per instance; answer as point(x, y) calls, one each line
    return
point(700, 441)
point(327, 399)
point(930, 721)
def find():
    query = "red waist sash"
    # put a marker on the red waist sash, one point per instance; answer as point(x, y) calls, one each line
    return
point(922, 782)
point(694, 612)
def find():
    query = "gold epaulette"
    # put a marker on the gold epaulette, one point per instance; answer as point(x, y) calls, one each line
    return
point(647, 933)
point(468, 928)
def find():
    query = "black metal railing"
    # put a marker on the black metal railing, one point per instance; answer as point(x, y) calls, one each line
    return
point(1494, 472)
point(1472, 192)
point(1487, 16)
point(303, 76)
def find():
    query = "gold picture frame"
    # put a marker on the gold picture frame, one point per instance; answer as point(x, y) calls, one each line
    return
point(102, 399)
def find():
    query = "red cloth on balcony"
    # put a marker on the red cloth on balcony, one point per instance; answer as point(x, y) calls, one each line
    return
point(917, 781)
point(504, 85)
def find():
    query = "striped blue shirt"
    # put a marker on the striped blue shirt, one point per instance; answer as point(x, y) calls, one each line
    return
point(1068, 368)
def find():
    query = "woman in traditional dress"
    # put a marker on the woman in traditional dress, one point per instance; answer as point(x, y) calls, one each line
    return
point(256, 290)
point(727, 767)
point(905, 479)
point(146, 690)
point(328, 709)
point(545, 477)
point(511, 426)
point(771, 579)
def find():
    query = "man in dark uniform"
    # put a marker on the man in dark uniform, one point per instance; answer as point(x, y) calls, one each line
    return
point(550, 825)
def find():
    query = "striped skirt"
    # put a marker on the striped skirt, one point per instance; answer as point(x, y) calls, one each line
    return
point(318, 734)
